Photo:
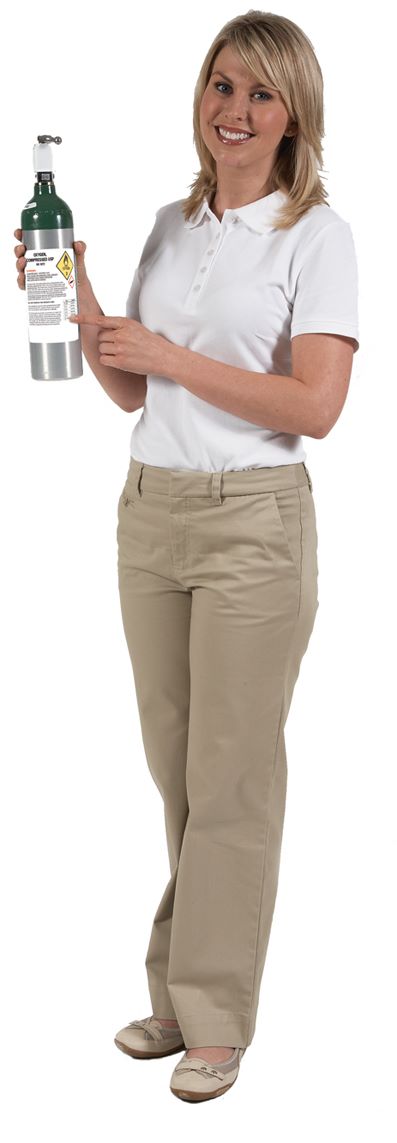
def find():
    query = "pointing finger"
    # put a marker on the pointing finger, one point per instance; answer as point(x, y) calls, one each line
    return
point(98, 319)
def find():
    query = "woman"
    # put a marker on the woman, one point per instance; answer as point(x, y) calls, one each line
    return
point(239, 337)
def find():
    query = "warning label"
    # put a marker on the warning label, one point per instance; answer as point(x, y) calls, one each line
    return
point(65, 264)
point(51, 292)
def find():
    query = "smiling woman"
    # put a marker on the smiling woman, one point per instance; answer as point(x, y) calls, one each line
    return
point(249, 289)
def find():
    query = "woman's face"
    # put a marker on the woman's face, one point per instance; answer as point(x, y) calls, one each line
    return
point(241, 102)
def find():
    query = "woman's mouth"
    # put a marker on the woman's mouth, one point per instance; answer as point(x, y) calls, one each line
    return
point(233, 138)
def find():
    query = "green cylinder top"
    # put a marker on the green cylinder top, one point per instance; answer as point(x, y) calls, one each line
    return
point(45, 210)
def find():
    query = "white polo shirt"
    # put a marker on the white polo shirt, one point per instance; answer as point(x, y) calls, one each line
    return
point(237, 291)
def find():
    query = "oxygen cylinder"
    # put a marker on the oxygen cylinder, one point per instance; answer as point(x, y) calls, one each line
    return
point(50, 275)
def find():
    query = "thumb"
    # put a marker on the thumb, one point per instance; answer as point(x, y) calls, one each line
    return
point(80, 249)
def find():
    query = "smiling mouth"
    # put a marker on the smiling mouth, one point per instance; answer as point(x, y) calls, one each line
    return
point(234, 142)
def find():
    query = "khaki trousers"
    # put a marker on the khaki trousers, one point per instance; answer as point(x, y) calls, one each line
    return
point(218, 590)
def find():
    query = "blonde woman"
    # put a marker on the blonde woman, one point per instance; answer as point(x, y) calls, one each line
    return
point(239, 339)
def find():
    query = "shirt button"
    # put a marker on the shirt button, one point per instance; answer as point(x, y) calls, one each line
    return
point(197, 287)
point(203, 270)
point(234, 219)
point(211, 251)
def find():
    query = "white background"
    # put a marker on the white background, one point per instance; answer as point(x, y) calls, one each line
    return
point(83, 851)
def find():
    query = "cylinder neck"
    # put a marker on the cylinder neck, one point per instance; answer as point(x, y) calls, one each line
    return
point(44, 183)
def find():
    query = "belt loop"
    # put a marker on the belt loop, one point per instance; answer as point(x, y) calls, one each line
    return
point(308, 476)
point(216, 488)
point(139, 480)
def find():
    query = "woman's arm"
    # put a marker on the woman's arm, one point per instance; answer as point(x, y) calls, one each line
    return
point(127, 390)
point(307, 403)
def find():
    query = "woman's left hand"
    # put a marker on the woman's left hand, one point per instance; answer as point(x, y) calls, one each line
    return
point(124, 343)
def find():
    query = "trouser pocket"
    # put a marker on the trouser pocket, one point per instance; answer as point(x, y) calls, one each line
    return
point(308, 476)
point(286, 505)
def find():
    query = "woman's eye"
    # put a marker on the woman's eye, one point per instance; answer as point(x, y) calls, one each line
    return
point(265, 93)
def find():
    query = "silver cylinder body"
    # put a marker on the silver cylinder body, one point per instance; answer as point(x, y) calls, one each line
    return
point(54, 361)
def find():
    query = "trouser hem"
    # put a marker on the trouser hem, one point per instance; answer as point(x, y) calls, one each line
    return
point(225, 1030)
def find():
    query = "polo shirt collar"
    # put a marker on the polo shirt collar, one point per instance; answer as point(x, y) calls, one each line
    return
point(257, 215)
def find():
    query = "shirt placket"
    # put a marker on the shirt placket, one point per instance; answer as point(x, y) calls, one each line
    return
point(206, 263)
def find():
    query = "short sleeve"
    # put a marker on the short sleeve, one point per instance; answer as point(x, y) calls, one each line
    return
point(326, 294)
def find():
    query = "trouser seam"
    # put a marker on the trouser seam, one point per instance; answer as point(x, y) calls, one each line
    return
point(265, 845)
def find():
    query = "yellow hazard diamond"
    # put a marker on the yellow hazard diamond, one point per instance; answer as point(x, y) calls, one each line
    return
point(65, 264)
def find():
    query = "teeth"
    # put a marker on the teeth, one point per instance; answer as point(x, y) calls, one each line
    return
point(234, 134)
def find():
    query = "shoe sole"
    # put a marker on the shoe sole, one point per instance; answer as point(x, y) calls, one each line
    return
point(199, 1096)
point(137, 1055)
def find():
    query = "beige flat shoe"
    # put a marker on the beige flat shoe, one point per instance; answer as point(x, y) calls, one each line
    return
point(195, 1079)
point(148, 1039)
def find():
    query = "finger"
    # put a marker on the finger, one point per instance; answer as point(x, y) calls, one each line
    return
point(18, 233)
point(98, 319)
point(106, 346)
point(107, 359)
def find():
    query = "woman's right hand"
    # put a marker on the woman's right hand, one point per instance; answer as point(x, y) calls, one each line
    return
point(79, 249)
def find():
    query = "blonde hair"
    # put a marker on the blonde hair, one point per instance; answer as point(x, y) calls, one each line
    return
point(277, 52)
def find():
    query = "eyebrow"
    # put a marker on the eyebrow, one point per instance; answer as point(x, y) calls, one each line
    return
point(258, 84)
